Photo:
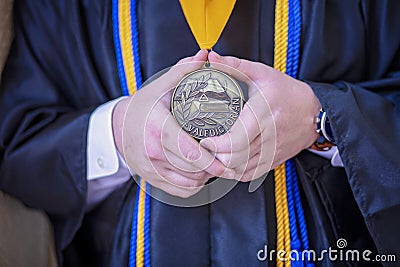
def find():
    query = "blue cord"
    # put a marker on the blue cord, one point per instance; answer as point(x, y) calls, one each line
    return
point(125, 91)
point(132, 246)
point(297, 220)
point(295, 243)
point(117, 44)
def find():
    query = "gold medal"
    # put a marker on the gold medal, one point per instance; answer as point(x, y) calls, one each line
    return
point(207, 102)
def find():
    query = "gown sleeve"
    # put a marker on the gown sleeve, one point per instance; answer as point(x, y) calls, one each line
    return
point(352, 63)
point(51, 83)
point(365, 120)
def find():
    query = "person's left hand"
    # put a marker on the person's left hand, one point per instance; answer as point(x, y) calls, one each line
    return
point(276, 123)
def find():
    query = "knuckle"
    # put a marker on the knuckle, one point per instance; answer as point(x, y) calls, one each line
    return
point(199, 176)
point(242, 142)
point(176, 180)
point(153, 130)
point(246, 178)
point(146, 170)
point(153, 153)
point(225, 159)
point(235, 62)
point(192, 155)
point(218, 169)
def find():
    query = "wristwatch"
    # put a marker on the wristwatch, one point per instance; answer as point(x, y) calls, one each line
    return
point(325, 140)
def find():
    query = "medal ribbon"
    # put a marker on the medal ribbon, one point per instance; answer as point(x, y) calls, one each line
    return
point(126, 40)
point(207, 20)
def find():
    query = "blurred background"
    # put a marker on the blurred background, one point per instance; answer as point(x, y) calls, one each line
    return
point(26, 236)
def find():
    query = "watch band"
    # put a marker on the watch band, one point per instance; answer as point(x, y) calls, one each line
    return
point(325, 140)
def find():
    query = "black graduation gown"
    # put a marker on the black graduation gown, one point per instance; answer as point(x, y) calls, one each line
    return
point(62, 65)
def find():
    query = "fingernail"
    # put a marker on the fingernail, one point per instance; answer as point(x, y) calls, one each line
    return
point(217, 56)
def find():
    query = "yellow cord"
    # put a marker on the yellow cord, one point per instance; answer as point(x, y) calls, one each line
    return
point(125, 29)
point(140, 226)
point(281, 204)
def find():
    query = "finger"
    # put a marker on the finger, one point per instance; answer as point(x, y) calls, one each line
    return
point(188, 149)
point(172, 77)
point(252, 163)
point(264, 156)
point(162, 158)
point(201, 176)
point(176, 185)
point(160, 170)
point(251, 121)
point(236, 159)
point(255, 173)
point(176, 179)
point(179, 163)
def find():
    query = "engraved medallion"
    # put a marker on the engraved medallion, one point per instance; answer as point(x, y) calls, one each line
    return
point(206, 103)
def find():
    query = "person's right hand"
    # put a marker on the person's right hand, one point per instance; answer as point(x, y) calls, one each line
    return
point(152, 143)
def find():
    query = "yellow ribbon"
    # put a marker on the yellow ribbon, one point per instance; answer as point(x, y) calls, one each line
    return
point(207, 19)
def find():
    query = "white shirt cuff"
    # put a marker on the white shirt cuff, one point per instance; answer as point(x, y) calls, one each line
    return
point(106, 169)
point(102, 158)
point(332, 154)
point(100, 188)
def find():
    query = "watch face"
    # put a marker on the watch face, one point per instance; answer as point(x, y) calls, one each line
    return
point(326, 128)
point(325, 140)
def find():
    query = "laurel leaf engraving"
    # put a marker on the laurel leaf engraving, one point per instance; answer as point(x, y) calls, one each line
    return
point(209, 121)
point(179, 116)
point(188, 95)
point(201, 79)
point(198, 122)
point(207, 77)
point(202, 115)
point(186, 107)
point(195, 84)
point(183, 99)
point(203, 85)
point(193, 115)
point(178, 111)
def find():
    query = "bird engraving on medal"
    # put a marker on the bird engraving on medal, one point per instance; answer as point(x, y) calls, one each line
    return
point(207, 103)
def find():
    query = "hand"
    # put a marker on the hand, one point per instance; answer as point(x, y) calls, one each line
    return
point(153, 144)
point(276, 123)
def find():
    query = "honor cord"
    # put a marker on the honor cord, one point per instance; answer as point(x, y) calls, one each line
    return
point(289, 210)
point(126, 40)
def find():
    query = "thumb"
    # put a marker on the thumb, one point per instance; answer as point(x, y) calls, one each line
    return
point(183, 67)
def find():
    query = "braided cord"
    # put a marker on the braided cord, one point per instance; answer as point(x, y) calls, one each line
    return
point(281, 203)
point(286, 59)
point(126, 40)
